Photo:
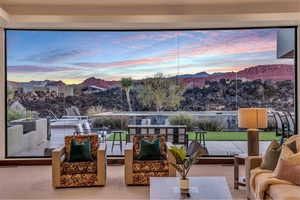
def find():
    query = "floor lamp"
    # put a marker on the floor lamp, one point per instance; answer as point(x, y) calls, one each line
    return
point(253, 119)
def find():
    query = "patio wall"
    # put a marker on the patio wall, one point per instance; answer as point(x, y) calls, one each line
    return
point(17, 142)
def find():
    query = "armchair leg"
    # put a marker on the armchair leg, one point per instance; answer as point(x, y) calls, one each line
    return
point(101, 165)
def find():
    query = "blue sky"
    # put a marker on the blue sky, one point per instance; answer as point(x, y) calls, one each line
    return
point(73, 56)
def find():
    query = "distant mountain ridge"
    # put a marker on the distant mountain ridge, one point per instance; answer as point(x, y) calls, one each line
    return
point(92, 81)
point(36, 83)
point(275, 72)
point(199, 74)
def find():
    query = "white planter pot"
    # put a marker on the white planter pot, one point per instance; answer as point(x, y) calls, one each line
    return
point(184, 184)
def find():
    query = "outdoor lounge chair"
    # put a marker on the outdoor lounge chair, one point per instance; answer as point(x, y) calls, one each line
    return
point(74, 174)
point(138, 172)
point(281, 127)
point(290, 123)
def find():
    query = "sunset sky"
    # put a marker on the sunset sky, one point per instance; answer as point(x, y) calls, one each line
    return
point(73, 56)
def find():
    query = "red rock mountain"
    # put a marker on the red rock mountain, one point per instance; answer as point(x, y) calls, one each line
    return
point(276, 72)
point(99, 83)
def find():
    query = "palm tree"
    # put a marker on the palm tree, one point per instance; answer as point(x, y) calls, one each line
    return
point(126, 84)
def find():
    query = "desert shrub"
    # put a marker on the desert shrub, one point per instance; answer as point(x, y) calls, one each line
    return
point(209, 125)
point(94, 110)
point(182, 119)
point(111, 122)
point(14, 115)
point(18, 114)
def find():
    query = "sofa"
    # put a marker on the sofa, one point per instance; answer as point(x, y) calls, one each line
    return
point(276, 191)
point(78, 174)
point(265, 184)
point(138, 172)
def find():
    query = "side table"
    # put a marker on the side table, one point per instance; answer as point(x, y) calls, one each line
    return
point(239, 180)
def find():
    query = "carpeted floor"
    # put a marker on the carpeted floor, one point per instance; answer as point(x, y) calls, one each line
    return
point(34, 182)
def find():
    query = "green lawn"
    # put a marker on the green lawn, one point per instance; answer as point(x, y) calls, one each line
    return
point(234, 136)
point(224, 136)
point(110, 138)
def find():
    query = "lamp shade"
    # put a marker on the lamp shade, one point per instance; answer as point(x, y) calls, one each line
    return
point(252, 118)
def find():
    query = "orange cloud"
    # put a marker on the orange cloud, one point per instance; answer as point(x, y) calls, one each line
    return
point(126, 63)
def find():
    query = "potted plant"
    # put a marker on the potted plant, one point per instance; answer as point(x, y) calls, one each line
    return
point(184, 163)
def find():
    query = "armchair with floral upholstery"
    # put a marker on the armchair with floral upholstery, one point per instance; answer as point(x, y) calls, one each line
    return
point(76, 174)
point(138, 172)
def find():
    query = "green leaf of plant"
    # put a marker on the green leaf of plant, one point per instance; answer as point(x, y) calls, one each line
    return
point(177, 167)
point(176, 156)
point(182, 153)
point(179, 154)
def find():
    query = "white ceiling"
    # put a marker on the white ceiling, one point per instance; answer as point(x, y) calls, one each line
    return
point(135, 2)
point(147, 14)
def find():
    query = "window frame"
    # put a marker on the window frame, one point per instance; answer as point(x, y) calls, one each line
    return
point(141, 30)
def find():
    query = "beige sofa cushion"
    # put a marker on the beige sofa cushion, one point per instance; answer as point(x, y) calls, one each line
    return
point(288, 155)
point(289, 172)
point(284, 192)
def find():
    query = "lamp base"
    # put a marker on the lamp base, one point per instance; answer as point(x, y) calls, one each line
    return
point(253, 145)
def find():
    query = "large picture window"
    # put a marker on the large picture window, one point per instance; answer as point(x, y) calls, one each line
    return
point(108, 82)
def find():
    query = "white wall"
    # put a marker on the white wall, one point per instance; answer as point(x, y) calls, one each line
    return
point(17, 142)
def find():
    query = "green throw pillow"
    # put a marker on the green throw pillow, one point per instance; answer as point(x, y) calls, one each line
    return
point(80, 152)
point(271, 156)
point(293, 146)
point(149, 150)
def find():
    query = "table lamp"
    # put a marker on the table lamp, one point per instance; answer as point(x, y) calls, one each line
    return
point(252, 119)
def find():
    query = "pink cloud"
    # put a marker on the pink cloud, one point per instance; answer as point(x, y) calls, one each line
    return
point(133, 38)
point(228, 45)
point(159, 36)
point(127, 63)
point(222, 43)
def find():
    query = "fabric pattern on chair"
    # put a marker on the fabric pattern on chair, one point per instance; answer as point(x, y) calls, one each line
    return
point(136, 144)
point(75, 180)
point(78, 167)
point(143, 178)
point(80, 138)
point(150, 166)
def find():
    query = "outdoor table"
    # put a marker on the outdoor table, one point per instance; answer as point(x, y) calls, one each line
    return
point(174, 133)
